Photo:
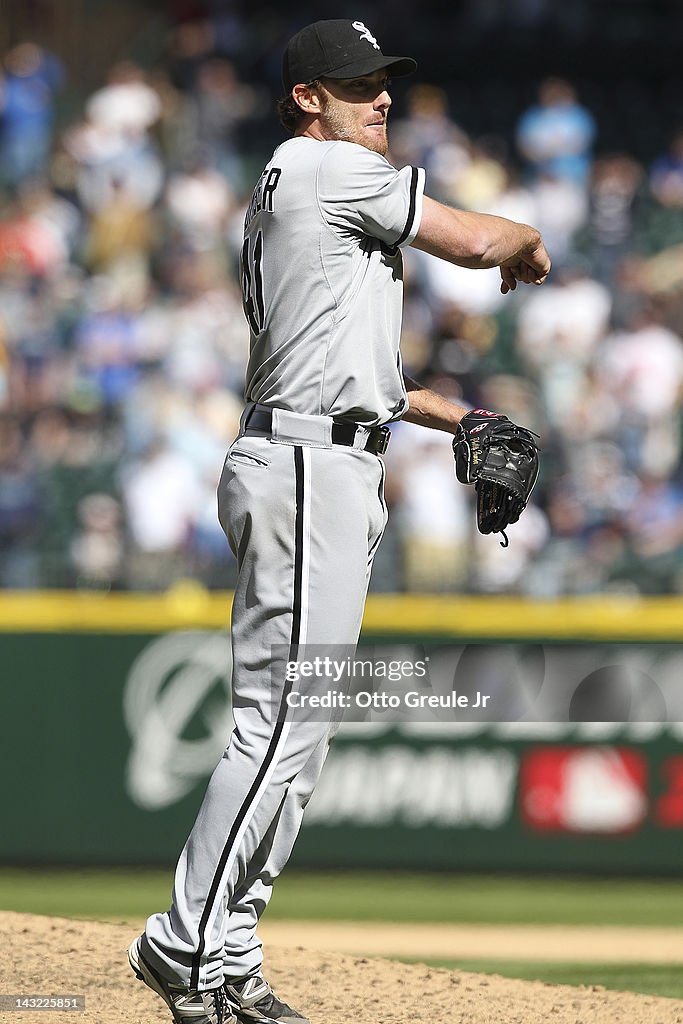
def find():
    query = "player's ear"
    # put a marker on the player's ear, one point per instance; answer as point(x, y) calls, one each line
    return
point(307, 97)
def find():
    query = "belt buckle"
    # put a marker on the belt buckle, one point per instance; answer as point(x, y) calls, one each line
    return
point(383, 440)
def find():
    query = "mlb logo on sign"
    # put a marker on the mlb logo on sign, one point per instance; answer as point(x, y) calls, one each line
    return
point(599, 790)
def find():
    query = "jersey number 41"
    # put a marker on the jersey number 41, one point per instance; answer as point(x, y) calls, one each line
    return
point(252, 283)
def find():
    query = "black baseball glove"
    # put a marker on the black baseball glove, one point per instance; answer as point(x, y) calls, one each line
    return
point(501, 460)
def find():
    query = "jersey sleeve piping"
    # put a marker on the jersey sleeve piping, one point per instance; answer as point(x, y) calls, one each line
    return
point(412, 226)
point(415, 197)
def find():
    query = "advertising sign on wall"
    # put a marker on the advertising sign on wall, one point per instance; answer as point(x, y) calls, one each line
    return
point(113, 737)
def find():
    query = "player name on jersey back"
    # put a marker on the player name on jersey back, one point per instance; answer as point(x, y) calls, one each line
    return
point(262, 198)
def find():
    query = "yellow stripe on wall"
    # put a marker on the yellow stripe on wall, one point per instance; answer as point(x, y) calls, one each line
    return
point(590, 618)
point(189, 606)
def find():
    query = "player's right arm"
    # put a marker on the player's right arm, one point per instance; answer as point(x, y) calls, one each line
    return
point(480, 241)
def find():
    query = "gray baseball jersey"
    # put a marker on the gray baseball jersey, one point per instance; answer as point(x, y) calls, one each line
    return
point(322, 279)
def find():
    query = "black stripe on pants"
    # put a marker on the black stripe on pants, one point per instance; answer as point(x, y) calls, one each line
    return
point(294, 641)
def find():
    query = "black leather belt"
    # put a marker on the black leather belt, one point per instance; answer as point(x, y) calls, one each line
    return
point(261, 419)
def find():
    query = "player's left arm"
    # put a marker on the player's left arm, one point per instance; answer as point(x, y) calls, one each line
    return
point(496, 455)
point(429, 409)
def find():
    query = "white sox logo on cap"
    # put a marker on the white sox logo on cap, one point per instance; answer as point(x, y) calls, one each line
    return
point(365, 33)
point(337, 48)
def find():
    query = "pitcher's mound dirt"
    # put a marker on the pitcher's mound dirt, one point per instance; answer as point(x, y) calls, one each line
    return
point(52, 956)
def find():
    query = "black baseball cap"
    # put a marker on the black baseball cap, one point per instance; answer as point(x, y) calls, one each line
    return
point(337, 49)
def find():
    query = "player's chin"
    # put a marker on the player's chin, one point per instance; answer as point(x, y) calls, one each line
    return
point(375, 138)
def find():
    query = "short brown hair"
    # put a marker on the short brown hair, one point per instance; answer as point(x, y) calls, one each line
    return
point(290, 113)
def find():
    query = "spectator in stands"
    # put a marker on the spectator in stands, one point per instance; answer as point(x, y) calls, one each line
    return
point(428, 138)
point(4, 368)
point(216, 108)
point(655, 535)
point(20, 509)
point(163, 498)
point(666, 174)
point(492, 571)
point(126, 107)
point(32, 77)
point(435, 516)
point(561, 207)
point(106, 342)
point(556, 135)
point(635, 364)
point(558, 337)
point(37, 232)
point(199, 200)
point(121, 235)
point(112, 145)
point(97, 548)
point(614, 197)
point(75, 451)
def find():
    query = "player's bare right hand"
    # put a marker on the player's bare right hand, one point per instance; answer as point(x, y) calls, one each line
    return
point(527, 268)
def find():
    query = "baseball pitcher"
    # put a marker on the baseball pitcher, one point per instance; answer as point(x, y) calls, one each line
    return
point(301, 493)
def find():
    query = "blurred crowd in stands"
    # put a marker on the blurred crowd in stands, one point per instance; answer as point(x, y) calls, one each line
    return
point(123, 343)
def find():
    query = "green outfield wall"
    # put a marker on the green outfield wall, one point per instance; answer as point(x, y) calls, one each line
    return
point(115, 709)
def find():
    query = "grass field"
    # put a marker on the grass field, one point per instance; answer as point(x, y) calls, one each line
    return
point(651, 979)
point(133, 894)
point(390, 896)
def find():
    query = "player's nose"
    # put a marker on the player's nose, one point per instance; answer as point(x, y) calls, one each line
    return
point(383, 101)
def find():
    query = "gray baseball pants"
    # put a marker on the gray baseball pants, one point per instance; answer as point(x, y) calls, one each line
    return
point(304, 518)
